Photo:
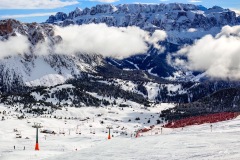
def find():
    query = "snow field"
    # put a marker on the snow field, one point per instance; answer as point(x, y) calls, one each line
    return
point(82, 128)
point(192, 142)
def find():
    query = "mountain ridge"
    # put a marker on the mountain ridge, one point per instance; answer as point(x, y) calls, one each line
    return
point(173, 16)
point(83, 79)
point(183, 23)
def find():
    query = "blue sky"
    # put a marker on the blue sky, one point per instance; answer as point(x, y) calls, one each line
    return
point(39, 10)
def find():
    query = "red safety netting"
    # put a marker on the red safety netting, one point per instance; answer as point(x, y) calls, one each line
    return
point(210, 118)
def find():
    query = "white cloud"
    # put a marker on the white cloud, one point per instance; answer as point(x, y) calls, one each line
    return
point(229, 32)
point(14, 46)
point(27, 15)
point(35, 4)
point(217, 56)
point(89, 39)
point(43, 47)
point(105, 1)
point(237, 11)
point(107, 41)
point(157, 36)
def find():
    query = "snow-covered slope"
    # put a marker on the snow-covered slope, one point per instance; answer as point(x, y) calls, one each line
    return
point(81, 133)
point(192, 143)
point(30, 69)
point(42, 70)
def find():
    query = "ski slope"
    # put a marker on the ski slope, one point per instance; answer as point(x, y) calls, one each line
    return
point(192, 142)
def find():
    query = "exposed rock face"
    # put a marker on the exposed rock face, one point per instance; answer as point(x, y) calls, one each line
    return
point(177, 17)
point(34, 31)
point(7, 26)
point(60, 16)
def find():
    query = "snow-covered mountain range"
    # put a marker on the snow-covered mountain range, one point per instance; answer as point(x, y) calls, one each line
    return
point(30, 69)
point(84, 79)
point(181, 21)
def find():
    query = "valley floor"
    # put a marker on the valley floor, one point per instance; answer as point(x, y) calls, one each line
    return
point(193, 142)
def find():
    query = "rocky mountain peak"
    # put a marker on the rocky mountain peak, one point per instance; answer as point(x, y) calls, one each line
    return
point(169, 17)
point(7, 26)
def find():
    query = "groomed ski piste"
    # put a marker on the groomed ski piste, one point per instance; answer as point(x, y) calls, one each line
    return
point(81, 133)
